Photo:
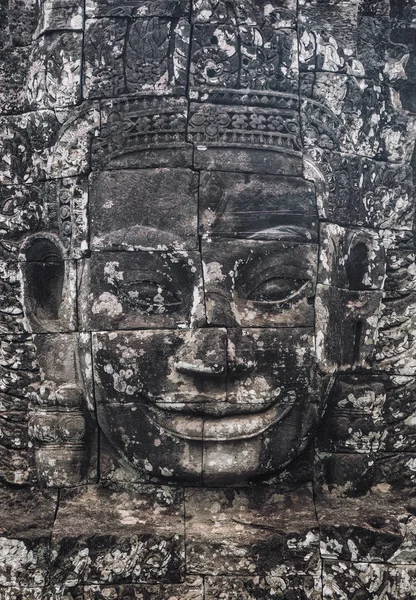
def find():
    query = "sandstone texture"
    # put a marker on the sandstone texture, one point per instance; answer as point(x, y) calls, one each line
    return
point(208, 300)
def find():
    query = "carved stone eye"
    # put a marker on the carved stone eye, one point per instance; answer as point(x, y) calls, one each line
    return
point(277, 289)
point(149, 296)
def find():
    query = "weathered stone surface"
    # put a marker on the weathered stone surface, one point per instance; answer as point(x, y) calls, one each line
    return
point(57, 15)
point(278, 13)
point(119, 536)
point(46, 143)
point(125, 57)
point(17, 25)
point(367, 580)
point(355, 116)
point(137, 8)
point(233, 55)
point(228, 532)
point(57, 206)
point(207, 279)
point(338, 23)
point(125, 290)
point(292, 581)
point(155, 209)
point(27, 520)
point(192, 589)
point(214, 129)
point(370, 415)
point(376, 528)
point(54, 79)
point(353, 474)
point(234, 205)
point(261, 283)
point(351, 258)
point(347, 320)
point(154, 133)
point(63, 433)
point(353, 190)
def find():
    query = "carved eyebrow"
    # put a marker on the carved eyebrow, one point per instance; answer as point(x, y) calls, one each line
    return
point(283, 232)
point(142, 238)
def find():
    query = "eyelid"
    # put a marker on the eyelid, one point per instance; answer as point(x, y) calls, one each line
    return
point(153, 279)
point(299, 283)
point(136, 287)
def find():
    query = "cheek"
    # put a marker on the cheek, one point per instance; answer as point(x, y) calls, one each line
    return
point(132, 365)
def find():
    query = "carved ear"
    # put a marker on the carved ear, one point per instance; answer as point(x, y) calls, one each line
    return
point(44, 278)
point(357, 266)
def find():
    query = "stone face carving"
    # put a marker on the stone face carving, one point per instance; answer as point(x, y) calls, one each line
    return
point(204, 346)
point(207, 275)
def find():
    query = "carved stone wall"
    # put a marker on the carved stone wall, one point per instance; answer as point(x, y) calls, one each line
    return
point(208, 300)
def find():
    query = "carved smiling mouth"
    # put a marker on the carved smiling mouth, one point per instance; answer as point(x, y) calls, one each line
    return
point(218, 429)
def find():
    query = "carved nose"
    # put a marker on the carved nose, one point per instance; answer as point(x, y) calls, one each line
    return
point(219, 310)
point(204, 353)
point(216, 353)
point(241, 355)
point(195, 368)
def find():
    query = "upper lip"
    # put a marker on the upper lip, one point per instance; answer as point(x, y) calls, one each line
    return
point(225, 428)
point(203, 404)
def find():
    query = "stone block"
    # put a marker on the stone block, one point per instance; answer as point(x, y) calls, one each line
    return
point(374, 528)
point(347, 322)
point(236, 205)
point(27, 519)
point(355, 117)
point(18, 368)
point(395, 347)
point(228, 532)
point(46, 144)
point(334, 27)
point(129, 290)
point(277, 14)
point(56, 15)
point(351, 258)
point(119, 537)
point(12, 78)
point(17, 467)
point(353, 190)
point(144, 131)
point(267, 137)
point(260, 283)
point(369, 415)
point(155, 209)
point(137, 8)
point(248, 447)
point(367, 580)
point(145, 54)
point(258, 55)
point(62, 429)
point(160, 445)
point(295, 581)
point(161, 366)
point(54, 78)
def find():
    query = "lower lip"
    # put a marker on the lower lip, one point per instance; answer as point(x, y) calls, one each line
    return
point(222, 429)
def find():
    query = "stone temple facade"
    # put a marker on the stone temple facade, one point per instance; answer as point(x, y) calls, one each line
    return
point(208, 300)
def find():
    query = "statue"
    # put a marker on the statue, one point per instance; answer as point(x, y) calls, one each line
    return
point(208, 259)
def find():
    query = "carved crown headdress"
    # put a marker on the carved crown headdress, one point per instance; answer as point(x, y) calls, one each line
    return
point(252, 77)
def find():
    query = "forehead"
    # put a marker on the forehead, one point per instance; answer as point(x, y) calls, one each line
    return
point(161, 207)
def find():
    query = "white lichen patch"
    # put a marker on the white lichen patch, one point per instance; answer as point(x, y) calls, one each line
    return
point(107, 304)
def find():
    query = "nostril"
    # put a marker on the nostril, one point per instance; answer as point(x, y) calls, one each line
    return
point(199, 368)
point(239, 368)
